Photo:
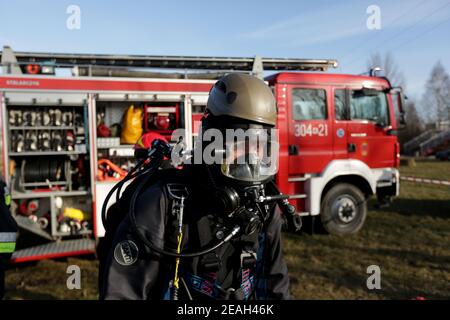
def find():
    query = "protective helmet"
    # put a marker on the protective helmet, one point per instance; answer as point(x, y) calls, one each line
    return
point(243, 96)
point(246, 103)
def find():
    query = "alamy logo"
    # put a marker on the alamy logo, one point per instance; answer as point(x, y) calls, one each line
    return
point(74, 280)
point(374, 280)
point(233, 146)
point(373, 22)
point(73, 21)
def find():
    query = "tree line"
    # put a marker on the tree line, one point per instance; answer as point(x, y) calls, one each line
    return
point(434, 103)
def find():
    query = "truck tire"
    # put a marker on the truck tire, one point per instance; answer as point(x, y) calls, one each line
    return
point(343, 209)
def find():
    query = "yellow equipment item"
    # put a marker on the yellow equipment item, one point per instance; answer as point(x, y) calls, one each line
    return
point(73, 213)
point(132, 125)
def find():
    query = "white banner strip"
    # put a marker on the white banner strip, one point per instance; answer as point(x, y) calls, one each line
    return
point(8, 236)
point(429, 181)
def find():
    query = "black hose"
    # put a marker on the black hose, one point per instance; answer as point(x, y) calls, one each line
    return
point(134, 173)
point(156, 159)
point(108, 196)
point(154, 166)
point(32, 170)
point(131, 175)
point(118, 186)
point(42, 169)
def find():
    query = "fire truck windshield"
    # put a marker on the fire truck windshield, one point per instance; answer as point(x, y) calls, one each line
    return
point(370, 106)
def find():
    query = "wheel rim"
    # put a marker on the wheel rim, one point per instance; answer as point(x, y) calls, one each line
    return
point(345, 208)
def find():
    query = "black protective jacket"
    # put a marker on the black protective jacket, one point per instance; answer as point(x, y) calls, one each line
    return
point(130, 270)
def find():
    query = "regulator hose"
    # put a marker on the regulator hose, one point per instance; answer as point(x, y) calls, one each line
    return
point(118, 186)
point(156, 162)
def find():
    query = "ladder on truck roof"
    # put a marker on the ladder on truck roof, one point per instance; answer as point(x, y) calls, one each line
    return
point(256, 65)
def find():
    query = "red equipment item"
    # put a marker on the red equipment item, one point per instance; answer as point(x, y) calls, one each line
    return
point(146, 140)
point(23, 208)
point(103, 131)
point(162, 122)
point(55, 188)
point(70, 140)
point(108, 171)
point(33, 206)
point(28, 208)
point(33, 68)
point(161, 119)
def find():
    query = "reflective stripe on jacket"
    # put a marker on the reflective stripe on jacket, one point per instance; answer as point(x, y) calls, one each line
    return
point(8, 226)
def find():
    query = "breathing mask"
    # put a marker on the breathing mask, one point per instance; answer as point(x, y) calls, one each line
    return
point(253, 158)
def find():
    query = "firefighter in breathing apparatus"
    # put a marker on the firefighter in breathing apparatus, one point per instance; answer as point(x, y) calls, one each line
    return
point(205, 231)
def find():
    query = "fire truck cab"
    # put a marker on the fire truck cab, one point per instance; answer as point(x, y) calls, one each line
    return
point(338, 144)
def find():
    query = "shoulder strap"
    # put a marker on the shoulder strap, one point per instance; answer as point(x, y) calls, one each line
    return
point(211, 261)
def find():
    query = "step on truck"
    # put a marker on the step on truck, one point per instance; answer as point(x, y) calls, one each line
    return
point(61, 116)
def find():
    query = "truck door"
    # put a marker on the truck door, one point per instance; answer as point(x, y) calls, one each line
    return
point(310, 143)
point(340, 122)
point(370, 134)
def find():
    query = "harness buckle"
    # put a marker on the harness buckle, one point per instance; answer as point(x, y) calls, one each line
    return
point(178, 193)
point(210, 263)
point(248, 259)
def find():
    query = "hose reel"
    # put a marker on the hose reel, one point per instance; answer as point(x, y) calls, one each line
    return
point(42, 171)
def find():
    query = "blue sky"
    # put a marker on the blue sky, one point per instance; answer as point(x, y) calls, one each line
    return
point(416, 32)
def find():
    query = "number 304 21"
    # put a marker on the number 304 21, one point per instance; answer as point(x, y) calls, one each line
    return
point(305, 130)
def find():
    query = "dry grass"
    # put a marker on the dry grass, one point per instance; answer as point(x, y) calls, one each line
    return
point(410, 243)
point(431, 169)
point(46, 280)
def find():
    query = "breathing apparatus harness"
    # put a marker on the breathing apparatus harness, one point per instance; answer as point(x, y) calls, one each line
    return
point(247, 211)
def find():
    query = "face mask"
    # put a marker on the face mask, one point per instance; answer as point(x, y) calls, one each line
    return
point(254, 160)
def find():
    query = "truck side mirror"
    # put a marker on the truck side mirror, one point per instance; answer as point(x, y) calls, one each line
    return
point(397, 93)
point(402, 121)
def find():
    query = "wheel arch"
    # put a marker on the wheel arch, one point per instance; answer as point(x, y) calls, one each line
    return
point(358, 181)
point(350, 171)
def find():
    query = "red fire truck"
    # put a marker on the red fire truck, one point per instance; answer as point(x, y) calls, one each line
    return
point(337, 134)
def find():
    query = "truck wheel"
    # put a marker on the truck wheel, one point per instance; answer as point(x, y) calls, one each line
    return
point(343, 209)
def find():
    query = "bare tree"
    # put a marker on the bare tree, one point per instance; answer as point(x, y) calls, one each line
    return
point(436, 99)
point(414, 125)
point(389, 68)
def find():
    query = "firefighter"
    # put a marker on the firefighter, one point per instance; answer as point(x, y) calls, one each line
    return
point(205, 231)
point(8, 233)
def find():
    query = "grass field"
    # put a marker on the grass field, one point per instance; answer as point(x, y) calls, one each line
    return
point(431, 169)
point(410, 242)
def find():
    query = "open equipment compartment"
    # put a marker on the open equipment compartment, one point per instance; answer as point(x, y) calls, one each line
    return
point(47, 162)
point(160, 114)
point(65, 174)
